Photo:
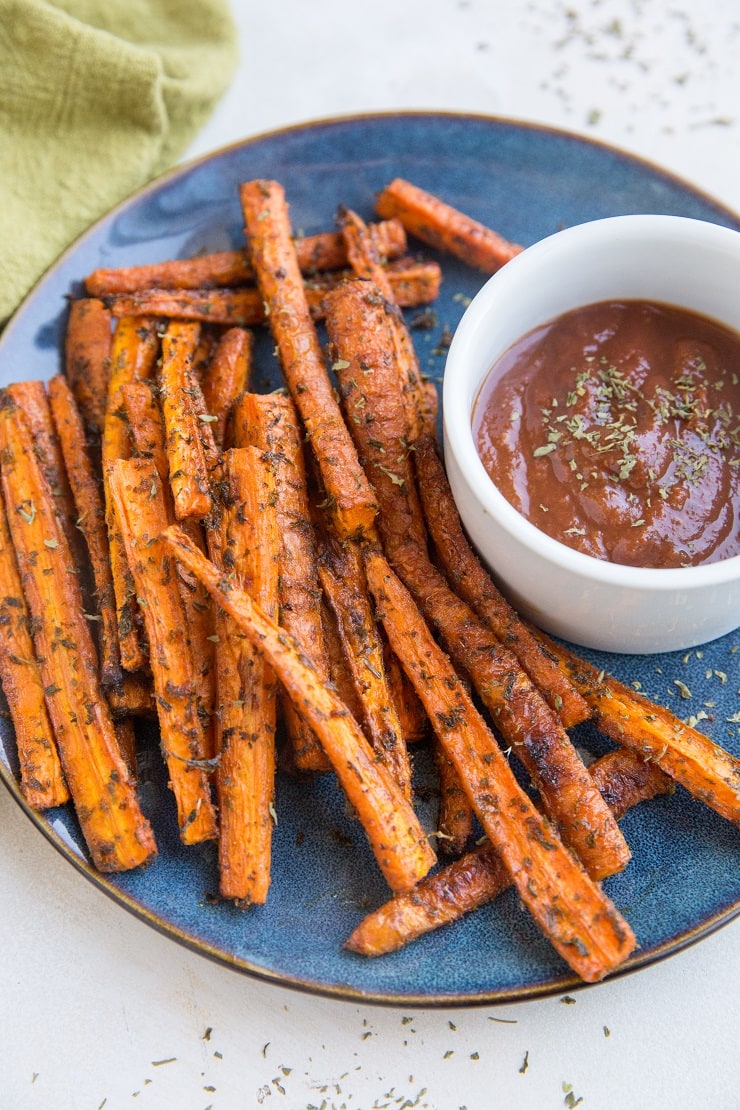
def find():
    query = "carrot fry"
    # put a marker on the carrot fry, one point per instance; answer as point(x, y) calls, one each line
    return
point(188, 472)
point(141, 509)
point(342, 578)
point(273, 255)
point(444, 227)
point(371, 392)
point(568, 906)
point(480, 876)
point(372, 397)
point(88, 499)
point(324, 251)
point(132, 697)
point(396, 837)
point(117, 834)
point(42, 779)
point(471, 582)
point(226, 377)
point(411, 713)
point(270, 422)
point(365, 260)
point(414, 283)
point(146, 426)
point(455, 818)
point(245, 735)
point(709, 772)
point(33, 401)
point(87, 354)
point(135, 349)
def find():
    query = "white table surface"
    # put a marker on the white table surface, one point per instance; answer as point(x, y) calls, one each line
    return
point(96, 1008)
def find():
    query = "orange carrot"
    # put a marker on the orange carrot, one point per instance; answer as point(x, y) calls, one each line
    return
point(270, 422)
point(455, 817)
point(569, 908)
point(245, 739)
point(393, 830)
point(140, 507)
point(324, 251)
point(87, 355)
point(42, 780)
point(188, 473)
point(226, 377)
point(471, 581)
point(365, 260)
point(117, 834)
point(268, 229)
point(709, 772)
point(480, 876)
point(135, 349)
point(88, 499)
point(413, 283)
point(444, 227)
point(342, 579)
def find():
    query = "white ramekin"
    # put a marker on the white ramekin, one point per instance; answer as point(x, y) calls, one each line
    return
point(592, 602)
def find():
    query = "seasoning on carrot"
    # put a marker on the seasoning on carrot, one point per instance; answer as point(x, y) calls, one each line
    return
point(444, 227)
point(42, 779)
point(87, 354)
point(270, 422)
point(568, 906)
point(188, 473)
point(324, 251)
point(88, 499)
point(117, 834)
point(246, 685)
point(396, 837)
point(141, 509)
point(134, 352)
point(273, 255)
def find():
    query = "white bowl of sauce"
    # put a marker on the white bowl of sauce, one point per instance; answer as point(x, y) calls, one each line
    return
point(592, 431)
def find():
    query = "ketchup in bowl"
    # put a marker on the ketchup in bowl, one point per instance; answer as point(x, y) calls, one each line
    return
point(615, 428)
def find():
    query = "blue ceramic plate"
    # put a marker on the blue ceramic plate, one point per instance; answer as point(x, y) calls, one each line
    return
point(684, 880)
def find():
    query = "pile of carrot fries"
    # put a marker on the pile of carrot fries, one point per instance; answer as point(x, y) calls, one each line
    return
point(282, 579)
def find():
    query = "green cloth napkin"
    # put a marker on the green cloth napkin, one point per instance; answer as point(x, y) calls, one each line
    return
point(96, 98)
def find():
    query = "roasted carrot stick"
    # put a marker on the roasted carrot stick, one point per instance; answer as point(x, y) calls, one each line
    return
point(42, 780)
point(342, 578)
point(88, 499)
point(87, 354)
point(709, 772)
point(324, 251)
point(455, 817)
point(117, 834)
point(413, 284)
point(134, 352)
point(140, 507)
point(270, 422)
point(269, 235)
point(376, 418)
point(365, 364)
point(480, 876)
point(246, 686)
point(396, 837)
point(468, 578)
point(364, 257)
point(569, 908)
point(444, 227)
point(188, 473)
point(226, 377)
point(33, 401)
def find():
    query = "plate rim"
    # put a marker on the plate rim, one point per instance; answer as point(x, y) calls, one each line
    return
point(567, 981)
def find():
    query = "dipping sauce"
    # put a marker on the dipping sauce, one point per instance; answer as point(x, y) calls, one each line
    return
point(615, 429)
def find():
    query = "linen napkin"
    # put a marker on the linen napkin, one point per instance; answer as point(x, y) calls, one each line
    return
point(96, 98)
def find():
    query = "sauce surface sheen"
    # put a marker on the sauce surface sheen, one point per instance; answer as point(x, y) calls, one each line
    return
point(615, 429)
